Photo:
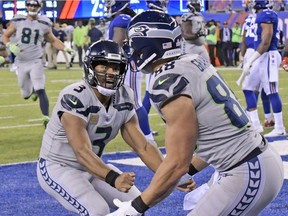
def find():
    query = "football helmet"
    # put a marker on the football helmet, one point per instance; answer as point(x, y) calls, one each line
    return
point(153, 35)
point(37, 7)
point(258, 4)
point(105, 52)
point(114, 6)
point(194, 5)
point(157, 4)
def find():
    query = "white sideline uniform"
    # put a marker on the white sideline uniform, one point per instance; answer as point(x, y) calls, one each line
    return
point(58, 171)
point(195, 46)
point(246, 185)
point(29, 37)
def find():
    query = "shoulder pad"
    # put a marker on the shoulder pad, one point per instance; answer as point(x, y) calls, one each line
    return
point(186, 17)
point(18, 17)
point(44, 20)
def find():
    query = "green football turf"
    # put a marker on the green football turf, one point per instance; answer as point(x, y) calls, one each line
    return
point(21, 127)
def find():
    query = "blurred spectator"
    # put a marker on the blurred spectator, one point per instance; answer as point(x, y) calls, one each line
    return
point(228, 8)
point(79, 35)
point(236, 39)
point(226, 43)
point(62, 37)
point(211, 40)
point(51, 52)
point(103, 26)
point(69, 29)
point(219, 52)
point(94, 34)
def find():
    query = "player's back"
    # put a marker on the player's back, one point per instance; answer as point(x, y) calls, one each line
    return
point(79, 100)
point(270, 17)
point(249, 27)
point(224, 130)
point(30, 35)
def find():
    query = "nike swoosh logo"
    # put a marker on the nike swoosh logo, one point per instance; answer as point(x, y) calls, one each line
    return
point(160, 82)
point(73, 102)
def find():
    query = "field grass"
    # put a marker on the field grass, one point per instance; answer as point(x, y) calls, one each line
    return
point(21, 128)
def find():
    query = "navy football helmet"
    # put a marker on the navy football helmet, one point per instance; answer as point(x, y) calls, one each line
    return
point(114, 6)
point(37, 7)
point(194, 5)
point(262, 4)
point(153, 35)
point(157, 4)
point(105, 52)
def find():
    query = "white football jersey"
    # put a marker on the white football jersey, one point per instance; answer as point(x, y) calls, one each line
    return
point(102, 125)
point(30, 35)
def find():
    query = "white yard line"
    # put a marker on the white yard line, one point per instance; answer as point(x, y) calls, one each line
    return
point(20, 126)
point(7, 117)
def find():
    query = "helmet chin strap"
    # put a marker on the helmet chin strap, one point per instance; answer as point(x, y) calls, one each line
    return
point(105, 91)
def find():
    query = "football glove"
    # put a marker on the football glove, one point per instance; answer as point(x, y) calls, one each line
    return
point(70, 51)
point(2, 60)
point(246, 68)
point(285, 63)
point(202, 32)
point(14, 48)
point(124, 208)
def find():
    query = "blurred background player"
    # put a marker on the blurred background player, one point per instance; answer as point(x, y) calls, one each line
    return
point(194, 30)
point(87, 116)
point(266, 59)
point(121, 14)
point(30, 32)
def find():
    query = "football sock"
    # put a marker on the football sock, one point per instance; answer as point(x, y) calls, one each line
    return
point(146, 101)
point(143, 120)
point(44, 102)
point(265, 103)
point(251, 100)
point(275, 102)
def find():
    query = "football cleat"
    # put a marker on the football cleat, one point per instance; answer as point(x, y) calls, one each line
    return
point(45, 120)
point(276, 132)
point(268, 123)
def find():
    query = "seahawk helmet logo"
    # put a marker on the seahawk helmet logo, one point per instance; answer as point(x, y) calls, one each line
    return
point(153, 35)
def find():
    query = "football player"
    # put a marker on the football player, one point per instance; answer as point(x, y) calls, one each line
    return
point(188, 93)
point(266, 59)
point(30, 32)
point(88, 114)
point(121, 13)
point(193, 30)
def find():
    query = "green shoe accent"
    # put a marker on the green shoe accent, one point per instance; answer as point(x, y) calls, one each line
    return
point(45, 120)
point(34, 97)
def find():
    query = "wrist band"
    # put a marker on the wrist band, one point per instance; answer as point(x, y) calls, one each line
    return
point(139, 205)
point(192, 170)
point(111, 177)
point(286, 54)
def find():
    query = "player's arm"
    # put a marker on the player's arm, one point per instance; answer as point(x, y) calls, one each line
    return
point(134, 137)
point(266, 37)
point(243, 46)
point(180, 140)
point(8, 33)
point(119, 35)
point(78, 138)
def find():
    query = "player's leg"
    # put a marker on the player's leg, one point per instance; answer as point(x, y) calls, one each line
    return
point(38, 79)
point(71, 188)
point(257, 186)
point(146, 100)
point(134, 80)
point(24, 80)
point(269, 120)
point(271, 81)
point(249, 85)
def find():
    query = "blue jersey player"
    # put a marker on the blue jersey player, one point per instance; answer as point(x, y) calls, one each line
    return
point(121, 14)
point(266, 59)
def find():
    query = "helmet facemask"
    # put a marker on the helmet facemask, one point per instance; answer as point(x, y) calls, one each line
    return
point(33, 7)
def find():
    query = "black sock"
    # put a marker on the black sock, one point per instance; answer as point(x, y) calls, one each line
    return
point(44, 102)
